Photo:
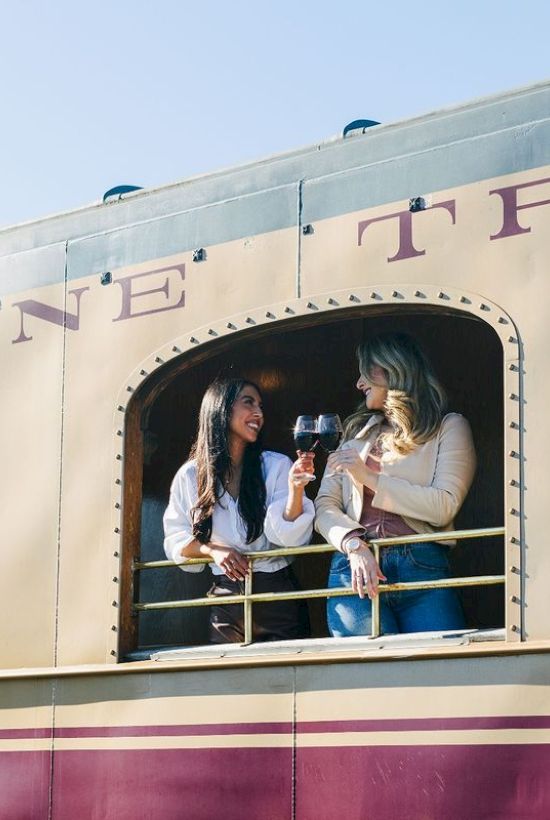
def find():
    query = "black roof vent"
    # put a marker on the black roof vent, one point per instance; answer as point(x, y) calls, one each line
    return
point(119, 190)
point(358, 126)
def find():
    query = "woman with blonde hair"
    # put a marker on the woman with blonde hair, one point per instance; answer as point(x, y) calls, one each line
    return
point(404, 468)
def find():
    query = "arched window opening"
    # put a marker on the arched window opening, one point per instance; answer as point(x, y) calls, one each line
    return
point(304, 366)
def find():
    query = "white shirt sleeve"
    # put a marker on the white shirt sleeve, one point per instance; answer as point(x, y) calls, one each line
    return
point(277, 530)
point(178, 526)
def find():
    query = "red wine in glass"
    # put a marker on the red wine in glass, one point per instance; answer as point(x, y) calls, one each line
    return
point(305, 433)
point(330, 431)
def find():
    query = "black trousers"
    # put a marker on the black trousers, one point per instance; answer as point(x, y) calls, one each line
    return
point(273, 621)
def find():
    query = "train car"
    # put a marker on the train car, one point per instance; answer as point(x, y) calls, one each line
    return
point(113, 320)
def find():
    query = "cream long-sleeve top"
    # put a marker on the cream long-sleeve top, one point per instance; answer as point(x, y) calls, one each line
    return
point(228, 528)
point(426, 487)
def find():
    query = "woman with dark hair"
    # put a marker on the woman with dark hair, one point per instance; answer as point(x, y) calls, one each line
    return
point(234, 497)
point(405, 467)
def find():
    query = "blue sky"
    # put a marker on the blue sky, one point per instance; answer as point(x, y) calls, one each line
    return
point(128, 91)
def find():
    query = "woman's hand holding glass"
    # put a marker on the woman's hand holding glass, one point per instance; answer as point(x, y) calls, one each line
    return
point(365, 572)
point(303, 470)
point(349, 461)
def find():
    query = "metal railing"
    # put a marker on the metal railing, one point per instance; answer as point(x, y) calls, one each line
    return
point(248, 598)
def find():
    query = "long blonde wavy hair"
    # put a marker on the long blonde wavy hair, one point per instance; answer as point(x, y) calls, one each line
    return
point(416, 401)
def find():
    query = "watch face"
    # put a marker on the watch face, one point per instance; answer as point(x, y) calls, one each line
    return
point(354, 544)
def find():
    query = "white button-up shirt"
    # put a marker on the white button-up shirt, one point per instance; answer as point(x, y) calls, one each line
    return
point(228, 528)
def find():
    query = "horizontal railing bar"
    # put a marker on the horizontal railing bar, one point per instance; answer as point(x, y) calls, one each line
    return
point(455, 535)
point(472, 581)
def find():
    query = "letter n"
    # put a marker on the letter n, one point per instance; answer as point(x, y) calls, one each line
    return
point(49, 314)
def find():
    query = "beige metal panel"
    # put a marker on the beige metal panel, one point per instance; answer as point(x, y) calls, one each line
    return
point(27, 704)
point(100, 360)
point(480, 687)
point(29, 483)
point(510, 272)
point(176, 698)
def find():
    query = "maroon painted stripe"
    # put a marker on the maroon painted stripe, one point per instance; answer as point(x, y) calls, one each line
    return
point(25, 734)
point(281, 728)
point(188, 730)
point(462, 782)
point(24, 785)
point(425, 724)
point(180, 784)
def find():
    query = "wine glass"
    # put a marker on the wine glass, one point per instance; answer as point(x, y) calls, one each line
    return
point(305, 433)
point(330, 431)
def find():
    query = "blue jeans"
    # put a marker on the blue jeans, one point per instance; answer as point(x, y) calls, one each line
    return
point(420, 610)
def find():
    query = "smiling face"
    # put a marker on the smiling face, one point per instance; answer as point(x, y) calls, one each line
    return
point(374, 387)
point(247, 416)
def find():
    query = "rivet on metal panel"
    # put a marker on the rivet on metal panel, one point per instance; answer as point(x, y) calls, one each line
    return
point(130, 389)
point(250, 320)
point(513, 511)
point(193, 340)
point(118, 481)
point(514, 540)
point(115, 580)
point(231, 326)
point(513, 367)
point(311, 306)
point(113, 652)
point(119, 432)
point(212, 332)
point(307, 229)
point(465, 300)
point(514, 599)
point(512, 339)
point(483, 306)
point(176, 349)
point(199, 255)
point(515, 570)
point(158, 360)
point(419, 294)
point(118, 457)
point(353, 298)
point(116, 530)
point(331, 301)
point(513, 454)
point(114, 628)
point(270, 315)
point(514, 425)
point(513, 396)
point(515, 628)
point(117, 505)
point(502, 320)
point(513, 482)
point(120, 408)
point(397, 295)
point(442, 295)
point(375, 295)
point(106, 278)
point(289, 310)
point(114, 603)
point(116, 554)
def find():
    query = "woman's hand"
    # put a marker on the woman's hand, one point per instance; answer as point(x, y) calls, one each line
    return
point(365, 572)
point(233, 563)
point(303, 470)
point(349, 461)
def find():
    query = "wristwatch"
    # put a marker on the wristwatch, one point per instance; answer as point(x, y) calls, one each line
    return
point(353, 544)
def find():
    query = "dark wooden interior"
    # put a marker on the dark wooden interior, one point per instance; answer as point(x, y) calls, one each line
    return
point(305, 366)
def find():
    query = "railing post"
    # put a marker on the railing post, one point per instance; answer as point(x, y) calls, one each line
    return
point(375, 603)
point(248, 606)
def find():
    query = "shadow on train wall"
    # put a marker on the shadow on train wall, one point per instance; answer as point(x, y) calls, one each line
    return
point(309, 366)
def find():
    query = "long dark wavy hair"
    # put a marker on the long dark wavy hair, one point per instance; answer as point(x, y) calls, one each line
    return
point(213, 463)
